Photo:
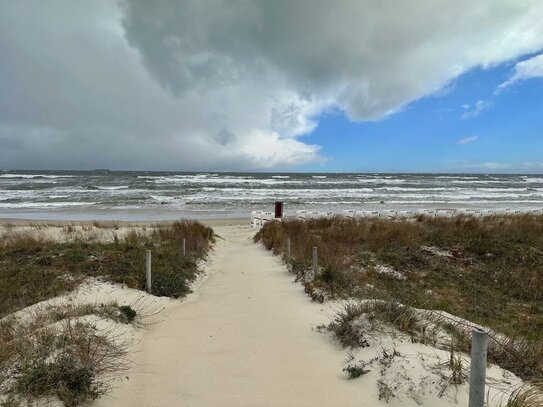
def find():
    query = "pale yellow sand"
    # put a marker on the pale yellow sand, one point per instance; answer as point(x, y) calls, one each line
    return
point(246, 338)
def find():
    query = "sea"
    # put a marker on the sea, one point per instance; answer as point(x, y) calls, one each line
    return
point(137, 195)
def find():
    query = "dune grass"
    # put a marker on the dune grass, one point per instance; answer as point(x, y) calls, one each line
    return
point(71, 361)
point(488, 271)
point(57, 353)
point(34, 268)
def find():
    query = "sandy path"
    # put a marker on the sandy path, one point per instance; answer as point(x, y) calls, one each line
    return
point(246, 339)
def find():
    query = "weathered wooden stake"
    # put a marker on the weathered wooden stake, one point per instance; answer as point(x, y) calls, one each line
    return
point(288, 248)
point(184, 251)
point(479, 342)
point(148, 273)
point(315, 262)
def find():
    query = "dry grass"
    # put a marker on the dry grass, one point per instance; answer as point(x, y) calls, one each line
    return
point(489, 271)
point(71, 361)
point(35, 269)
point(525, 397)
point(55, 353)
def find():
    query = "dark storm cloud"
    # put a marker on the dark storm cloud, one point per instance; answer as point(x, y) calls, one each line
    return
point(228, 84)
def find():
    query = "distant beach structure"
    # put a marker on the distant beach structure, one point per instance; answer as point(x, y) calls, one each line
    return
point(260, 218)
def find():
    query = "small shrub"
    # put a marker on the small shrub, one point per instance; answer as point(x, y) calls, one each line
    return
point(169, 284)
point(342, 326)
point(128, 314)
point(70, 362)
point(65, 378)
point(354, 371)
point(273, 238)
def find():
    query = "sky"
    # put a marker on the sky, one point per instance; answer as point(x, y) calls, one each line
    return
point(257, 85)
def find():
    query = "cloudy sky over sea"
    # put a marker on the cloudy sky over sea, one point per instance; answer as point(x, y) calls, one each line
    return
point(452, 86)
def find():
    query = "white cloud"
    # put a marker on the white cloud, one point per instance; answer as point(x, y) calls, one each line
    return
point(228, 84)
point(488, 165)
point(467, 140)
point(474, 110)
point(527, 69)
point(536, 166)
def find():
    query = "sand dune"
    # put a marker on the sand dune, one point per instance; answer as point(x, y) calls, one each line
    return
point(247, 338)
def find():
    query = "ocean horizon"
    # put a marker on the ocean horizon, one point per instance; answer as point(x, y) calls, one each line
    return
point(164, 195)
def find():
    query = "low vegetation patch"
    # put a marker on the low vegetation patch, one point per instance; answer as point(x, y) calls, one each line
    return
point(56, 352)
point(525, 397)
point(35, 269)
point(488, 271)
point(354, 371)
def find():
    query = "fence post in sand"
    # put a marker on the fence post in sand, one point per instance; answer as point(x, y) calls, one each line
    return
point(184, 248)
point(315, 261)
point(148, 271)
point(479, 342)
point(288, 248)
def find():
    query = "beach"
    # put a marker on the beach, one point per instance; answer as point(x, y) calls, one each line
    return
point(245, 337)
point(249, 335)
point(271, 204)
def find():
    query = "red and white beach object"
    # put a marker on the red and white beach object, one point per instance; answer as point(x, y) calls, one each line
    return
point(256, 219)
point(313, 215)
point(267, 217)
point(301, 215)
point(388, 214)
point(349, 214)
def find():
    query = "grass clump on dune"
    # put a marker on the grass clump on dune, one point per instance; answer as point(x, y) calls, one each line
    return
point(488, 271)
point(525, 397)
point(35, 269)
point(56, 352)
point(72, 362)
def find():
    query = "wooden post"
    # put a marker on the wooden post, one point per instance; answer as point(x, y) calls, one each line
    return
point(288, 248)
point(148, 271)
point(315, 262)
point(184, 248)
point(479, 341)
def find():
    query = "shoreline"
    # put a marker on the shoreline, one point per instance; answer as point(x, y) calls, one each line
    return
point(21, 222)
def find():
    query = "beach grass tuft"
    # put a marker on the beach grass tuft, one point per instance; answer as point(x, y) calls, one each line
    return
point(485, 270)
point(55, 352)
point(35, 268)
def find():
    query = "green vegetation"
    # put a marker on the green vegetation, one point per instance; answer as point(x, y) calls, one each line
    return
point(71, 361)
point(56, 352)
point(354, 371)
point(34, 269)
point(525, 397)
point(128, 313)
point(488, 271)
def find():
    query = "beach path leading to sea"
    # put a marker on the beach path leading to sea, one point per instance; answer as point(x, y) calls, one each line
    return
point(246, 338)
